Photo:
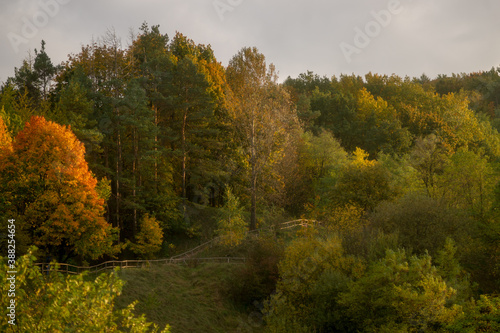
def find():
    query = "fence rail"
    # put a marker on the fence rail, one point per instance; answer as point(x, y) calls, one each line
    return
point(183, 258)
point(110, 265)
point(213, 241)
point(296, 223)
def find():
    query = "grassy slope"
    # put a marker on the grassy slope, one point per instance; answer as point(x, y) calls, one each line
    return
point(190, 299)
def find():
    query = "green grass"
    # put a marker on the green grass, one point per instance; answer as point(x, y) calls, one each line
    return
point(193, 299)
point(189, 299)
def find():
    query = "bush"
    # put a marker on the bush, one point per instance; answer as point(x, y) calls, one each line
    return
point(399, 294)
point(57, 303)
point(257, 279)
point(482, 315)
point(423, 223)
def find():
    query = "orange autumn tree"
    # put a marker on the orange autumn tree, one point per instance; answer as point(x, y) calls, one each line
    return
point(52, 194)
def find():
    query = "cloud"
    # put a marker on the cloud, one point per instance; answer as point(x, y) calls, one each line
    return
point(427, 36)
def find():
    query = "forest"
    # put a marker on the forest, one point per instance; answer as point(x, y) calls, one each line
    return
point(124, 152)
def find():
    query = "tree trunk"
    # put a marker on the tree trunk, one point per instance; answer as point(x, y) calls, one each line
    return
point(253, 208)
point(134, 172)
point(184, 160)
point(253, 181)
point(155, 108)
point(118, 175)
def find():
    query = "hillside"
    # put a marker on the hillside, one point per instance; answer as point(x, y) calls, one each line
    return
point(189, 299)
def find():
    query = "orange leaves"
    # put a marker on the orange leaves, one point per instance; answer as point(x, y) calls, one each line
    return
point(52, 188)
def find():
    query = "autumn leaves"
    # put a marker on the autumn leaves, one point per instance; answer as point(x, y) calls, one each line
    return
point(48, 187)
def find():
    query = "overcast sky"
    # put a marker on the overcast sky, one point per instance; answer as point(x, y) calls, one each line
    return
point(328, 37)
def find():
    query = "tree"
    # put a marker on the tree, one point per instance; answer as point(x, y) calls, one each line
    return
point(148, 117)
point(314, 272)
point(44, 71)
point(196, 128)
point(452, 272)
point(25, 80)
point(108, 68)
point(149, 238)
point(71, 303)
point(5, 138)
point(192, 107)
point(256, 280)
point(34, 78)
point(429, 157)
point(139, 155)
point(378, 126)
point(53, 194)
point(75, 107)
point(8, 110)
point(423, 223)
point(231, 224)
point(322, 155)
point(154, 62)
point(468, 181)
point(399, 294)
point(363, 183)
point(482, 315)
point(263, 114)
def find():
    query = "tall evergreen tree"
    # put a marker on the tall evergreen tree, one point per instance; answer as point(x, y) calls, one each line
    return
point(44, 71)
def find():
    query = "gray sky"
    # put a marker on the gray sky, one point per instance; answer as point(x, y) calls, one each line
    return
point(328, 37)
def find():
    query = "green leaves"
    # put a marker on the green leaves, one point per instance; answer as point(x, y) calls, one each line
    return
point(399, 292)
point(313, 273)
point(482, 315)
point(262, 117)
point(51, 302)
point(231, 224)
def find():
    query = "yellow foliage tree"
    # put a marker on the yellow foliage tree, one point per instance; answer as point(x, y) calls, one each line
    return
point(149, 238)
point(360, 159)
point(364, 183)
point(5, 139)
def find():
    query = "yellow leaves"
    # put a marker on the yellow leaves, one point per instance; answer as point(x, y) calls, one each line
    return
point(360, 159)
point(347, 220)
point(5, 139)
point(149, 238)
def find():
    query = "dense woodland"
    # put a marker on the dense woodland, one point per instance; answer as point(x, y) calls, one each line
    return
point(109, 153)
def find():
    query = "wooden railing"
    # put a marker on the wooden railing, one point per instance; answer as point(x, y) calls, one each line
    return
point(110, 265)
point(183, 258)
point(197, 249)
point(213, 241)
point(301, 223)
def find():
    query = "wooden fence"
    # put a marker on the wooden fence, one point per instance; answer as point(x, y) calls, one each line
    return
point(183, 258)
point(110, 265)
point(213, 241)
